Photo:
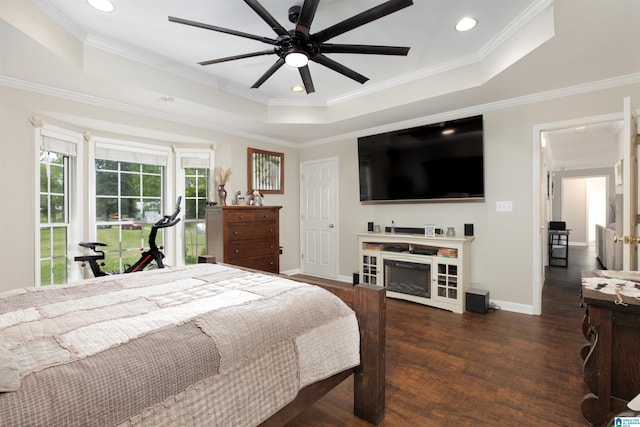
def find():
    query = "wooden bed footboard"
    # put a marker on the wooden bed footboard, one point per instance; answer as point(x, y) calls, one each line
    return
point(369, 303)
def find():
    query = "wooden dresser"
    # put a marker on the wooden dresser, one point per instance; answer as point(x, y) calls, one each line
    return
point(611, 366)
point(247, 236)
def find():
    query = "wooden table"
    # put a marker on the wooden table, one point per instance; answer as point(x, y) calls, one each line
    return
point(612, 356)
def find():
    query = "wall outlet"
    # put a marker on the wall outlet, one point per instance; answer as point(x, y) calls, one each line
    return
point(504, 206)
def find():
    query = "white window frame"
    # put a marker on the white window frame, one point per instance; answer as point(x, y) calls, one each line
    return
point(73, 142)
point(134, 152)
point(191, 157)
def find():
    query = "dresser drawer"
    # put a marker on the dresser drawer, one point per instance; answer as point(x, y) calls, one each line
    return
point(240, 231)
point(251, 248)
point(266, 216)
point(240, 217)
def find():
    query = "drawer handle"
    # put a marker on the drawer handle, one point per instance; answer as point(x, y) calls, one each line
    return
point(271, 230)
point(241, 216)
point(235, 233)
point(265, 216)
point(236, 251)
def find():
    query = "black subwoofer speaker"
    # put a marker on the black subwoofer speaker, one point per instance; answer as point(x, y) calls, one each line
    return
point(477, 300)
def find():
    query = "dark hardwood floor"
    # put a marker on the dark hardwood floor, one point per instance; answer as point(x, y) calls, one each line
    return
point(494, 369)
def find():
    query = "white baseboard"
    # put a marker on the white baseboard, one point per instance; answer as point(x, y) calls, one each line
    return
point(514, 307)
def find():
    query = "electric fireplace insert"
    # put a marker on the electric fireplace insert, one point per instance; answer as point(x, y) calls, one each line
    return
point(409, 278)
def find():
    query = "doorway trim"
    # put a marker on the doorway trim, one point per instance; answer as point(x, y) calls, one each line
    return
point(539, 223)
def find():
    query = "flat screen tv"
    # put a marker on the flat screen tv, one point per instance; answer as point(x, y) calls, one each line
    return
point(437, 162)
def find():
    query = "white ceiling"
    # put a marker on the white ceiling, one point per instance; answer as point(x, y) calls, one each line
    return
point(589, 145)
point(520, 49)
point(137, 30)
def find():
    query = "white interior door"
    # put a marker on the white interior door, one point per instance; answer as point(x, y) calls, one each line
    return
point(630, 188)
point(319, 224)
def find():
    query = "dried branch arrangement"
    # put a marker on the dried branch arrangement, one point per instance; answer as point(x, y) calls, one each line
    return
point(222, 175)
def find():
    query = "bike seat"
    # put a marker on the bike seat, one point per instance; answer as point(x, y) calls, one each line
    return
point(91, 245)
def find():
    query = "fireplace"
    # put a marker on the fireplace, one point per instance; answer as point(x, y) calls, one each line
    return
point(409, 278)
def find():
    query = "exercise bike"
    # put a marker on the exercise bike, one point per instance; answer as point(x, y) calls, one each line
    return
point(154, 254)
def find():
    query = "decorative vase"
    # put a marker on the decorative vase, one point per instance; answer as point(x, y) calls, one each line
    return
point(222, 195)
point(451, 231)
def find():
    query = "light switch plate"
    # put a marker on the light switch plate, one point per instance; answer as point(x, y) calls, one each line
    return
point(504, 206)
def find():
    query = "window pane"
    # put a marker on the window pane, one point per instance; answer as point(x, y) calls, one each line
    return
point(152, 169)
point(107, 209)
point(130, 184)
point(45, 242)
point(57, 179)
point(152, 209)
point(190, 210)
point(44, 208)
point(44, 178)
point(60, 270)
point(190, 183)
point(202, 188)
point(130, 167)
point(106, 183)
point(57, 209)
point(60, 242)
point(151, 185)
point(106, 164)
point(45, 273)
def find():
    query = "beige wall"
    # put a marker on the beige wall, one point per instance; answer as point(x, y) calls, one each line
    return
point(503, 250)
point(18, 169)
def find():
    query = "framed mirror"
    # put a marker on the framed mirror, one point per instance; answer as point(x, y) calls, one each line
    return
point(265, 171)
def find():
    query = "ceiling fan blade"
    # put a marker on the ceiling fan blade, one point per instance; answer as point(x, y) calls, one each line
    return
point(232, 58)
point(221, 30)
point(268, 73)
point(266, 16)
point(306, 79)
point(335, 66)
point(362, 18)
point(307, 13)
point(364, 49)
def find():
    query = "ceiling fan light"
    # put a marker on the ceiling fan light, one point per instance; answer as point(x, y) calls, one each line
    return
point(102, 5)
point(465, 24)
point(297, 88)
point(296, 59)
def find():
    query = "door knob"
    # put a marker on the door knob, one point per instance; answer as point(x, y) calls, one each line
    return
point(331, 226)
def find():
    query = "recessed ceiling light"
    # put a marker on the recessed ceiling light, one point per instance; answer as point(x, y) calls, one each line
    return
point(581, 128)
point(102, 5)
point(297, 88)
point(448, 131)
point(465, 24)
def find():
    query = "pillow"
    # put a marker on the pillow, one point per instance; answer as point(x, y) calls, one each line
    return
point(9, 373)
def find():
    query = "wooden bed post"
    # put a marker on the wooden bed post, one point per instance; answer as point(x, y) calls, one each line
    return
point(369, 377)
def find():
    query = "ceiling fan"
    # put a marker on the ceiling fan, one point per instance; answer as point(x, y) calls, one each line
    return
point(297, 47)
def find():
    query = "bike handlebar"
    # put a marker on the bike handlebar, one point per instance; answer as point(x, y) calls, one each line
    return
point(169, 220)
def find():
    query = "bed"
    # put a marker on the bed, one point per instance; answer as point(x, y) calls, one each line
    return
point(207, 344)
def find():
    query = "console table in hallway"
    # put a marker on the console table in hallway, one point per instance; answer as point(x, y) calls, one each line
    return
point(611, 366)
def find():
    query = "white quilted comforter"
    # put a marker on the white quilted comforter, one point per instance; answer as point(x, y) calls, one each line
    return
point(198, 345)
